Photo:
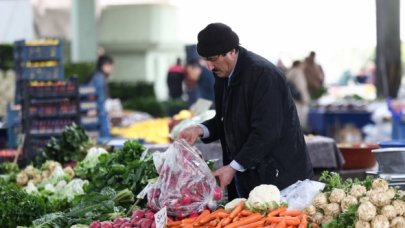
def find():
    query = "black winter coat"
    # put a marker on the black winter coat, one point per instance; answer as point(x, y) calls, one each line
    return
point(257, 123)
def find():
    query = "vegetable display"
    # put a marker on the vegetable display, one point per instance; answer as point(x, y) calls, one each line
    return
point(368, 203)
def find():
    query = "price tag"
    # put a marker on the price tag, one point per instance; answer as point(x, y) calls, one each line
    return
point(161, 218)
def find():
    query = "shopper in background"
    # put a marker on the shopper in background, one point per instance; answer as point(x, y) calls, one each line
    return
point(256, 119)
point(313, 74)
point(175, 77)
point(192, 73)
point(297, 80)
point(99, 79)
point(206, 82)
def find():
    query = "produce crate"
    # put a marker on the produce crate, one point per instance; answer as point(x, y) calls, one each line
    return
point(46, 73)
point(38, 50)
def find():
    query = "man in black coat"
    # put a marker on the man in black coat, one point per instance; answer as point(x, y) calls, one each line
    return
point(256, 119)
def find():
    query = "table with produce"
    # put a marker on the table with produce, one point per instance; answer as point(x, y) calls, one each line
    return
point(76, 184)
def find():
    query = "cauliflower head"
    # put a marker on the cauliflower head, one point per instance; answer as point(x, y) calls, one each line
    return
point(337, 195)
point(264, 197)
point(366, 211)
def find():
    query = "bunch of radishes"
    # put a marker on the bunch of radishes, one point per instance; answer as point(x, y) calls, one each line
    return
point(140, 218)
point(185, 186)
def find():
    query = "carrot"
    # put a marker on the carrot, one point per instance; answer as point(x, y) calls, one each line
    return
point(206, 219)
point(292, 213)
point(288, 220)
point(253, 225)
point(246, 212)
point(314, 225)
point(202, 215)
point(236, 218)
point(219, 224)
point(282, 224)
point(247, 220)
point(213, 223)
point(304, 222)
point(277, 211)
point(237, 209)
point(174, 223)
point(273, 225)
point(188, 220)
point(222, 214)
point(226, 221)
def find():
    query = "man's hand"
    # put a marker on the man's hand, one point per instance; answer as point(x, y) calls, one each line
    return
point(190, 134)
point(225, 175)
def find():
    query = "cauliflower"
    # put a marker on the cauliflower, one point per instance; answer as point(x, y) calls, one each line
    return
point(362, 224)
point(37, 178)
point(380, 185)
point(317, 218)
point(69, 171)
point(357, 190)
point(310, 210)
point(231, 205)
point(264, 197)
point(332, 209)
point(22, 179)
point(380, 221)
point(51, 165)
point(379, 198)
point(320, 200)
point(366, 211)
point(391, 192)
point(45, 174)
point(399, 206)
point(346, 202)
point(30, 171)
point(389, 211)
point(398, 222)
point(337, 195)
point(327, 219)
point(364, 199)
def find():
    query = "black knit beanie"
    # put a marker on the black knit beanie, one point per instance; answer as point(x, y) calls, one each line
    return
point(216, 39)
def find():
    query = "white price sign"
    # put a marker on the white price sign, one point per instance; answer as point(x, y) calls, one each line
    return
point(161, 218)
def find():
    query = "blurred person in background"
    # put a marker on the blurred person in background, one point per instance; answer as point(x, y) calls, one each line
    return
point(175, 78)
point(206, 82)
point(314, 75)
point(256, 120)
point(295, 75)
point(192, 76)
point(99, 79)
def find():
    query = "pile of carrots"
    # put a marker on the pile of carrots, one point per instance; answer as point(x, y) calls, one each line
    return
point(239, 217)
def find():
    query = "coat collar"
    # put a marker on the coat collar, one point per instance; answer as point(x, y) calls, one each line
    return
point(236, 76)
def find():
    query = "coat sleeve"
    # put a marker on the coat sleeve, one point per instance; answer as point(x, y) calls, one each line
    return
point(266, 119)
point(212, 125)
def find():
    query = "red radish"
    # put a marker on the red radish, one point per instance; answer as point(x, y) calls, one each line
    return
point(106, 224)
point(193, 215)
point(153, 225)
point(119, 221)
point(217, 193)
point(186, 200)
point(150, 215)
point(145, 223)
point(126, 225)
point(95, 224)
point(138, 214)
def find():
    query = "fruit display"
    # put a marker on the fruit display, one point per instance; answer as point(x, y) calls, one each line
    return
point(42, 42)
point(151, 131)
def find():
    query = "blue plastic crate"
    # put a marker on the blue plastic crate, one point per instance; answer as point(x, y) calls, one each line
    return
point(23, 52)
point(398, 128)
point(52, 73)
point(392, 143)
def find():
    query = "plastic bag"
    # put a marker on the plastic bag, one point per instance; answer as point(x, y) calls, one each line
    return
point(191, 122)
point(185, 184)
point(300, 195)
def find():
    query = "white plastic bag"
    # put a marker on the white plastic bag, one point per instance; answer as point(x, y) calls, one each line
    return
point(300, 195)
point(185, 184)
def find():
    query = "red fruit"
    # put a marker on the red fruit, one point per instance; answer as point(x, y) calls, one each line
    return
point(95, 224)
point(106, 224)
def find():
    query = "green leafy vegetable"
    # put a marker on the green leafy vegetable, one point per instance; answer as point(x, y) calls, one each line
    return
point(17, 207)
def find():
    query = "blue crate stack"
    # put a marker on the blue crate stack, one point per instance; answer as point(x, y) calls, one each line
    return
point(34, 60)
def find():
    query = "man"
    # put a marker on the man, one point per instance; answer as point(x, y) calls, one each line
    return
point(256, 120)
point(99, 81)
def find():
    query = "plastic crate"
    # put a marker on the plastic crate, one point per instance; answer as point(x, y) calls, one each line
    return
point(392, 144)
point(53, 73)
point(23, 52)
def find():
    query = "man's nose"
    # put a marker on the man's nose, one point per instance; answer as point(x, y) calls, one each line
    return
point(210, 65)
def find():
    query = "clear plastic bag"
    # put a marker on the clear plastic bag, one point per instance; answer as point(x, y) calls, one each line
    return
point(185, 184)
point(300, 195)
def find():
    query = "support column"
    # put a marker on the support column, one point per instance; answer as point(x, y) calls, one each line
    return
point(388, 55)
point(84, 37)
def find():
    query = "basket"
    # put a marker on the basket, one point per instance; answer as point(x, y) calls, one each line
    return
point(358, 156)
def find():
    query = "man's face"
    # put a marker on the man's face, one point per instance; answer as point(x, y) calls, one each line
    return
point(222, 65)
point(107, 68)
